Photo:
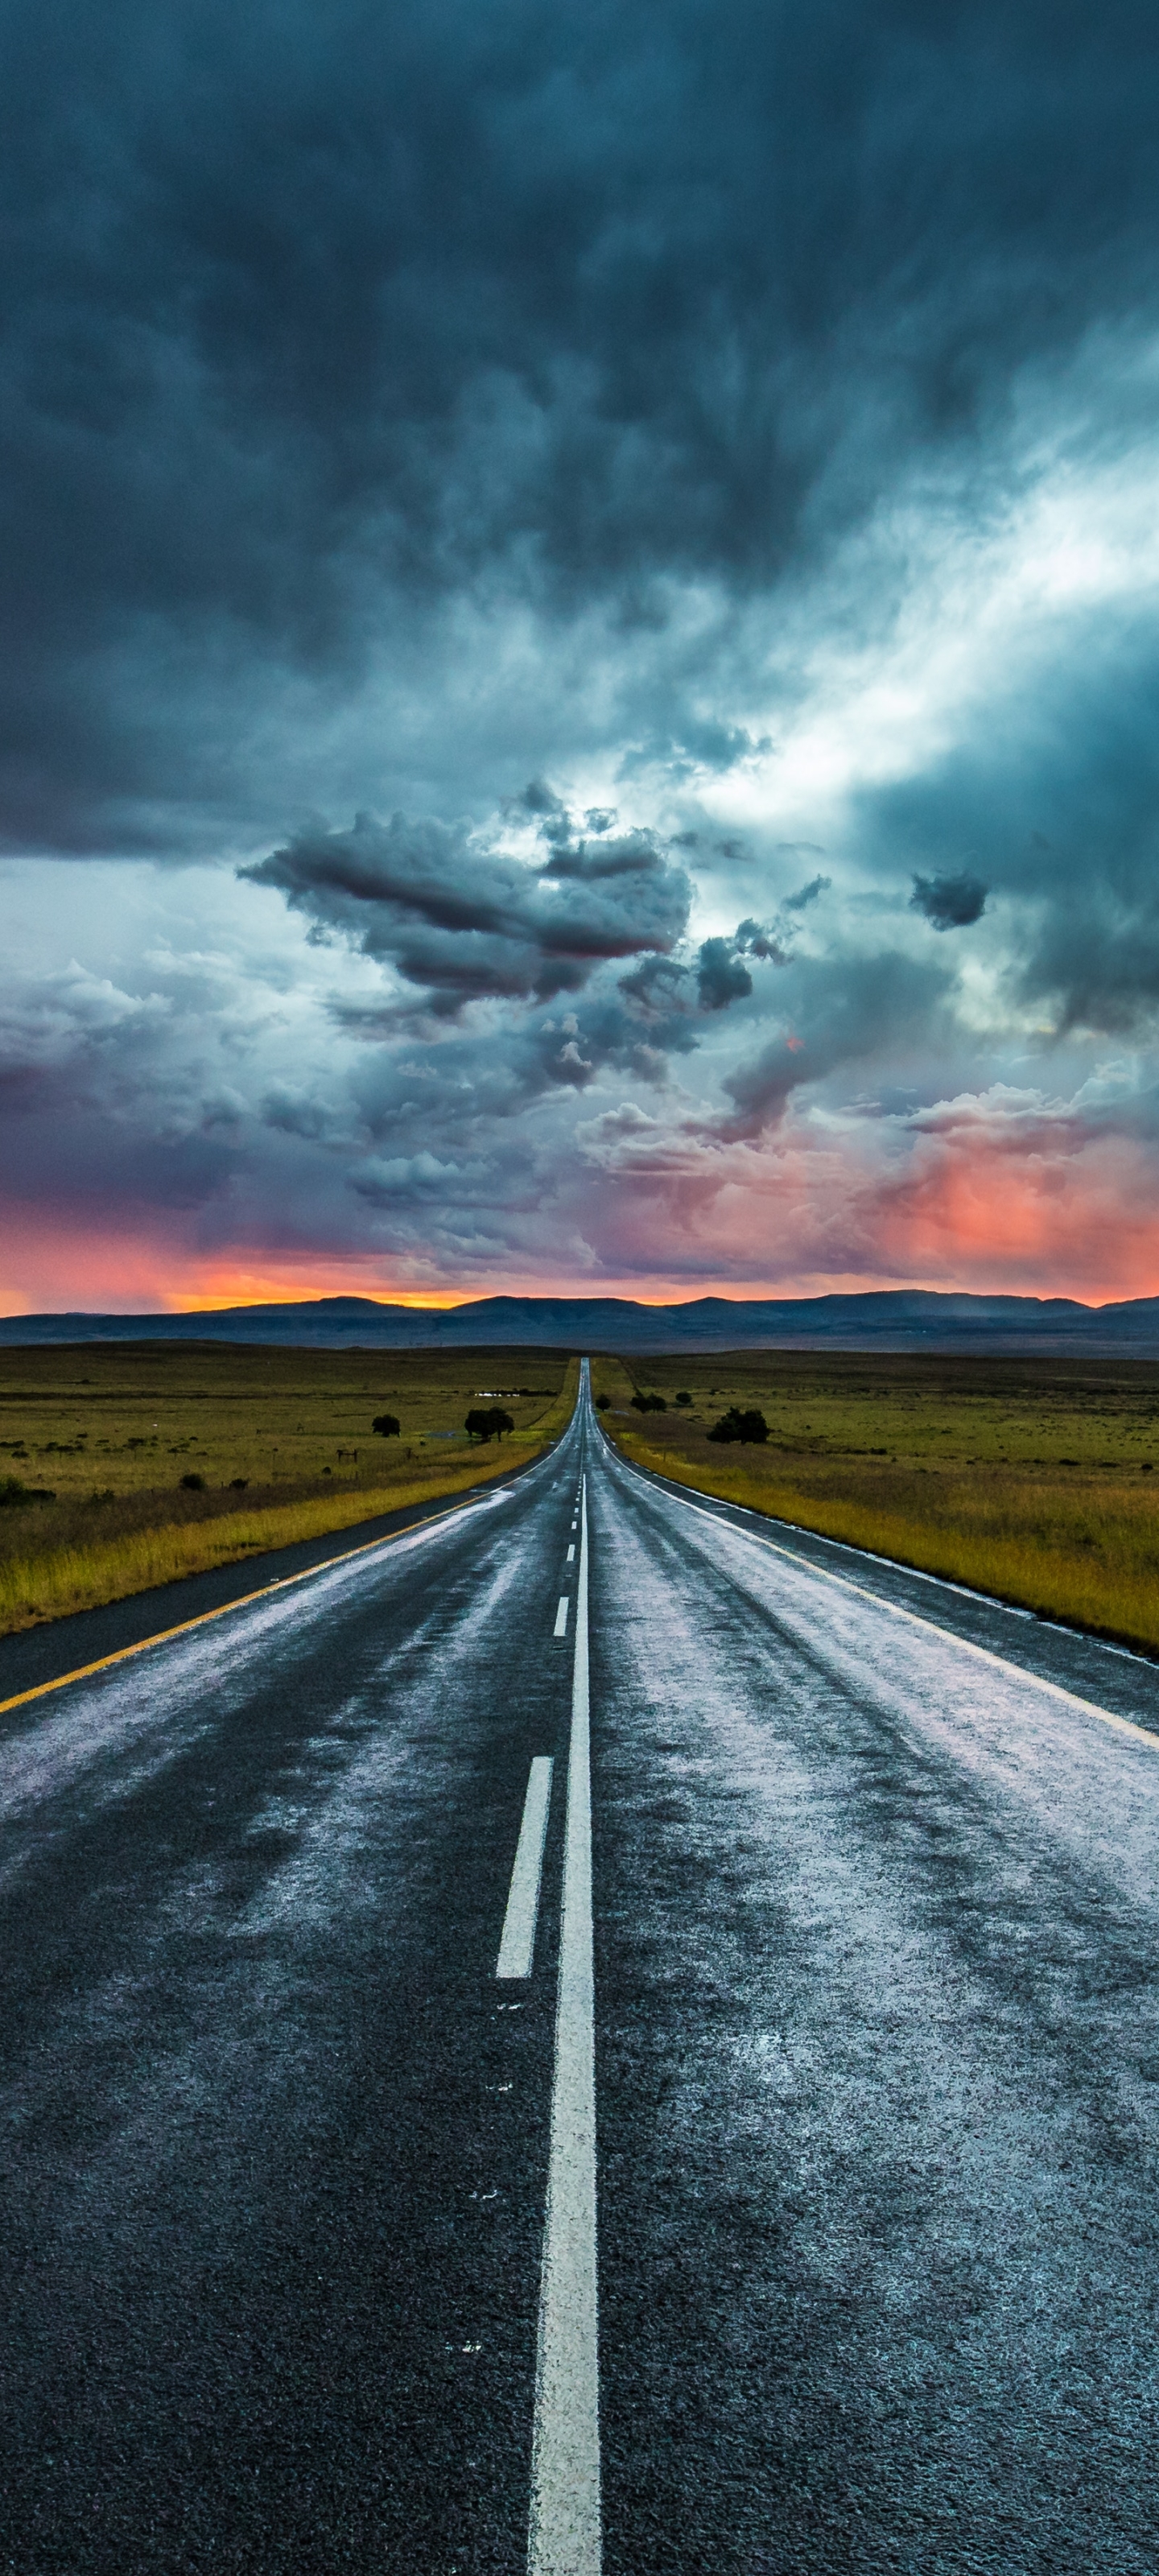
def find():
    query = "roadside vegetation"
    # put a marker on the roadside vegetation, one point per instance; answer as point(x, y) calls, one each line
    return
point(1034, 1479)
point(125, 1465)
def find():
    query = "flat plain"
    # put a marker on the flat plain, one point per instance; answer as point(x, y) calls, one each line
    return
point(1036, 1480)
point(101, 1442)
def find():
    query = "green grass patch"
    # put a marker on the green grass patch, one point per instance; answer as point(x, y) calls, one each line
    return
point(1036, 1480)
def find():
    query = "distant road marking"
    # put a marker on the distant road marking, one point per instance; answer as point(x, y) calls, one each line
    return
point(281, 1583)
point(561, 1616)
point(913, 1618)
point(564, 2537)
point(517, 1947)
point(571, 1555)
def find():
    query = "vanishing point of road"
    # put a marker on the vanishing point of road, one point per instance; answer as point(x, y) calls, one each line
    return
point(596, 2032)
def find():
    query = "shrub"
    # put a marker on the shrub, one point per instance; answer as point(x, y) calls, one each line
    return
point(735, 1425)
point(13, 1491)
point(238, 1484)
point(602, 1403)
point(387, 1425)
point(649, 1404)
point(684, 1396)
point(193, 1483)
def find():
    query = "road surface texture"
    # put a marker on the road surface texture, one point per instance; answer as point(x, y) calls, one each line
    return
point(352, 2040)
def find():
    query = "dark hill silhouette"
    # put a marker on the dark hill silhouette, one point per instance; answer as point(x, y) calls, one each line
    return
point(897, 1319)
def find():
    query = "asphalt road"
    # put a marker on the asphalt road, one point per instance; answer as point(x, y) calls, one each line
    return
point(858, 2112)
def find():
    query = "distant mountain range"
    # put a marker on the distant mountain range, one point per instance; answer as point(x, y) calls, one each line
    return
point(888, 1319)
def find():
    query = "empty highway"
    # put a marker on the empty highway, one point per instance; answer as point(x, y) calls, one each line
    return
point(596, 2032)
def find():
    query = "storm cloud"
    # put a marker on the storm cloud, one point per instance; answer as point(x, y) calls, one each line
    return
point(949, 903)
point(316, 324)
point(469, 921)
point(683, 480)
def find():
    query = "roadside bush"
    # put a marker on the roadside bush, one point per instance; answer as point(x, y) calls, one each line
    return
point(193, 1483)
point(684, 1396)
point(735, 1425)
point(649, 1404)
point(602, 1403)
point(13, 1491)
point(387, 1425)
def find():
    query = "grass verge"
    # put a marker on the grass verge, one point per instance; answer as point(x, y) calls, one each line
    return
point(1034, 1482)
point(49, 1581)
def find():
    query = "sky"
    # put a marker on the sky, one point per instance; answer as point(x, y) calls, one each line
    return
point(579, 702)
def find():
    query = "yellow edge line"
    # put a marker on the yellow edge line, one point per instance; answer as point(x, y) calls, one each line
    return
point(984, 1654)
point(281, 1584)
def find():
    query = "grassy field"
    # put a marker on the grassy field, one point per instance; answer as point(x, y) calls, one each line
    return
point(279, 1441)
point(1034, 1479)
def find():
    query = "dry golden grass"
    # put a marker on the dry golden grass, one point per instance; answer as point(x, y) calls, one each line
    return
point(1031, 1479)
point(83, 1549)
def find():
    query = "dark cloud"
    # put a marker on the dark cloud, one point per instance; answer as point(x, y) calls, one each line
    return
point(548, 809)
point(539, 798)
point(949, 903)
point(773, 940)
point(760, 939)
point(720, 976)
point(807, 894)
point(309, 316)
point(470, 922)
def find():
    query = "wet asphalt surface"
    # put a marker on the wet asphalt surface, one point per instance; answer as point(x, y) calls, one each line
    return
point(877, 2058)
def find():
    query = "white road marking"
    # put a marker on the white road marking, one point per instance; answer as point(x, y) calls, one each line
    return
point(571, 1555)
point(913, 1619)
point(564, 2538)
point(561, 1616)
point(517, 1947)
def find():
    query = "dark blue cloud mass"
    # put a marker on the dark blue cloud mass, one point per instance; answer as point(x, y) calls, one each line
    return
point(309, 313)
point(736, 421)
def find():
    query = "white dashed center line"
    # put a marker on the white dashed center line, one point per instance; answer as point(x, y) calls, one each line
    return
point(561, 1616)
point(564, 2538)
point(517, 1947)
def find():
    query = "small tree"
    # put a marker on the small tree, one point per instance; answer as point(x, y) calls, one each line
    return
point(735, 1425)
point(684, 1396)
point(649, 1404)
point(602, 1403)
point(387, 1424)
point(488, 1423)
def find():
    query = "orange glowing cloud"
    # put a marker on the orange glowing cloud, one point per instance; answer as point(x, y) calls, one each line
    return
point(980, 1197)
point(1053, 1213)
point(990, 1194)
